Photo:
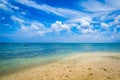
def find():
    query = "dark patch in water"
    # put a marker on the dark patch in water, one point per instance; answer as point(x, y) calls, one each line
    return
point(25, 44)
point(26, 54)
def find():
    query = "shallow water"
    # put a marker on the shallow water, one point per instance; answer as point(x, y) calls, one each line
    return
point(19, 55)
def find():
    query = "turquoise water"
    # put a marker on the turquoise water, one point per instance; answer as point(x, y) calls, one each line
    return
point(16, 56)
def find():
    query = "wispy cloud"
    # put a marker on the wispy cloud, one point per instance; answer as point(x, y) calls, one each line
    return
point(104, 25)
point(17, 19)
point(7, 6)
point(49, 9)
point(97, 6)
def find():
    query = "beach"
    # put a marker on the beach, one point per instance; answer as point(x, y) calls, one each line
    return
point(59, 39)
point(86, 66)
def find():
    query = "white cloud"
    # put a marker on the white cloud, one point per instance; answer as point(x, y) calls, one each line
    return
point(33, 29)
point(33, 26)
point(80, 20)
point(85, 29)
point(17, 19)
point(85, 24)
point(36, 26)
point(113, 3)
point(92, 37)
point(41, 33)
point(56, 26)
point(59, 26)
point(37, 6)
point(14, 7)
point(77, 19)
point(23, 13)
point(49, 9)
point(88, 19)
point(116, 28)
point(115, 22)
point(104, 25)
point(4, 7)
point(3, 18)
point(118, 17)
point(7, 6)
point(94, 5)
point(23, 28)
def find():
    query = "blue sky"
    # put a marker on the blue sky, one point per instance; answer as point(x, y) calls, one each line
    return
point(84, 21)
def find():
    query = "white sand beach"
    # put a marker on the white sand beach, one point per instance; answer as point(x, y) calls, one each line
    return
point(88, 66)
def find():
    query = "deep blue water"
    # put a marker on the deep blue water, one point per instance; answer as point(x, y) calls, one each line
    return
point(17, 55)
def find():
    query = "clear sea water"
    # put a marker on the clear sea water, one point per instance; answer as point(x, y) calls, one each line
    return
point(15, 56)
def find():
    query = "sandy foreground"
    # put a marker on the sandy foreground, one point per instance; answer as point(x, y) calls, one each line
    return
point(88, 66)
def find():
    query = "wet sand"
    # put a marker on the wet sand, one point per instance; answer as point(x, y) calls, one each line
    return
point(88, 66)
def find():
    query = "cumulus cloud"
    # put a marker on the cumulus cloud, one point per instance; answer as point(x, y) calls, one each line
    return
point(86, 28)
point(83, 24)
point(59, 26)
point(34, 28)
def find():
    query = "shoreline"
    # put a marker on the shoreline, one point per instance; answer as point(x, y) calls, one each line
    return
point(81, 65)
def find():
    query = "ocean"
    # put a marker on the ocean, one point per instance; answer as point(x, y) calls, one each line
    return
point(16, 56)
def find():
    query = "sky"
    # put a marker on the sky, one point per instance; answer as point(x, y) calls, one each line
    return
point(83, 21)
